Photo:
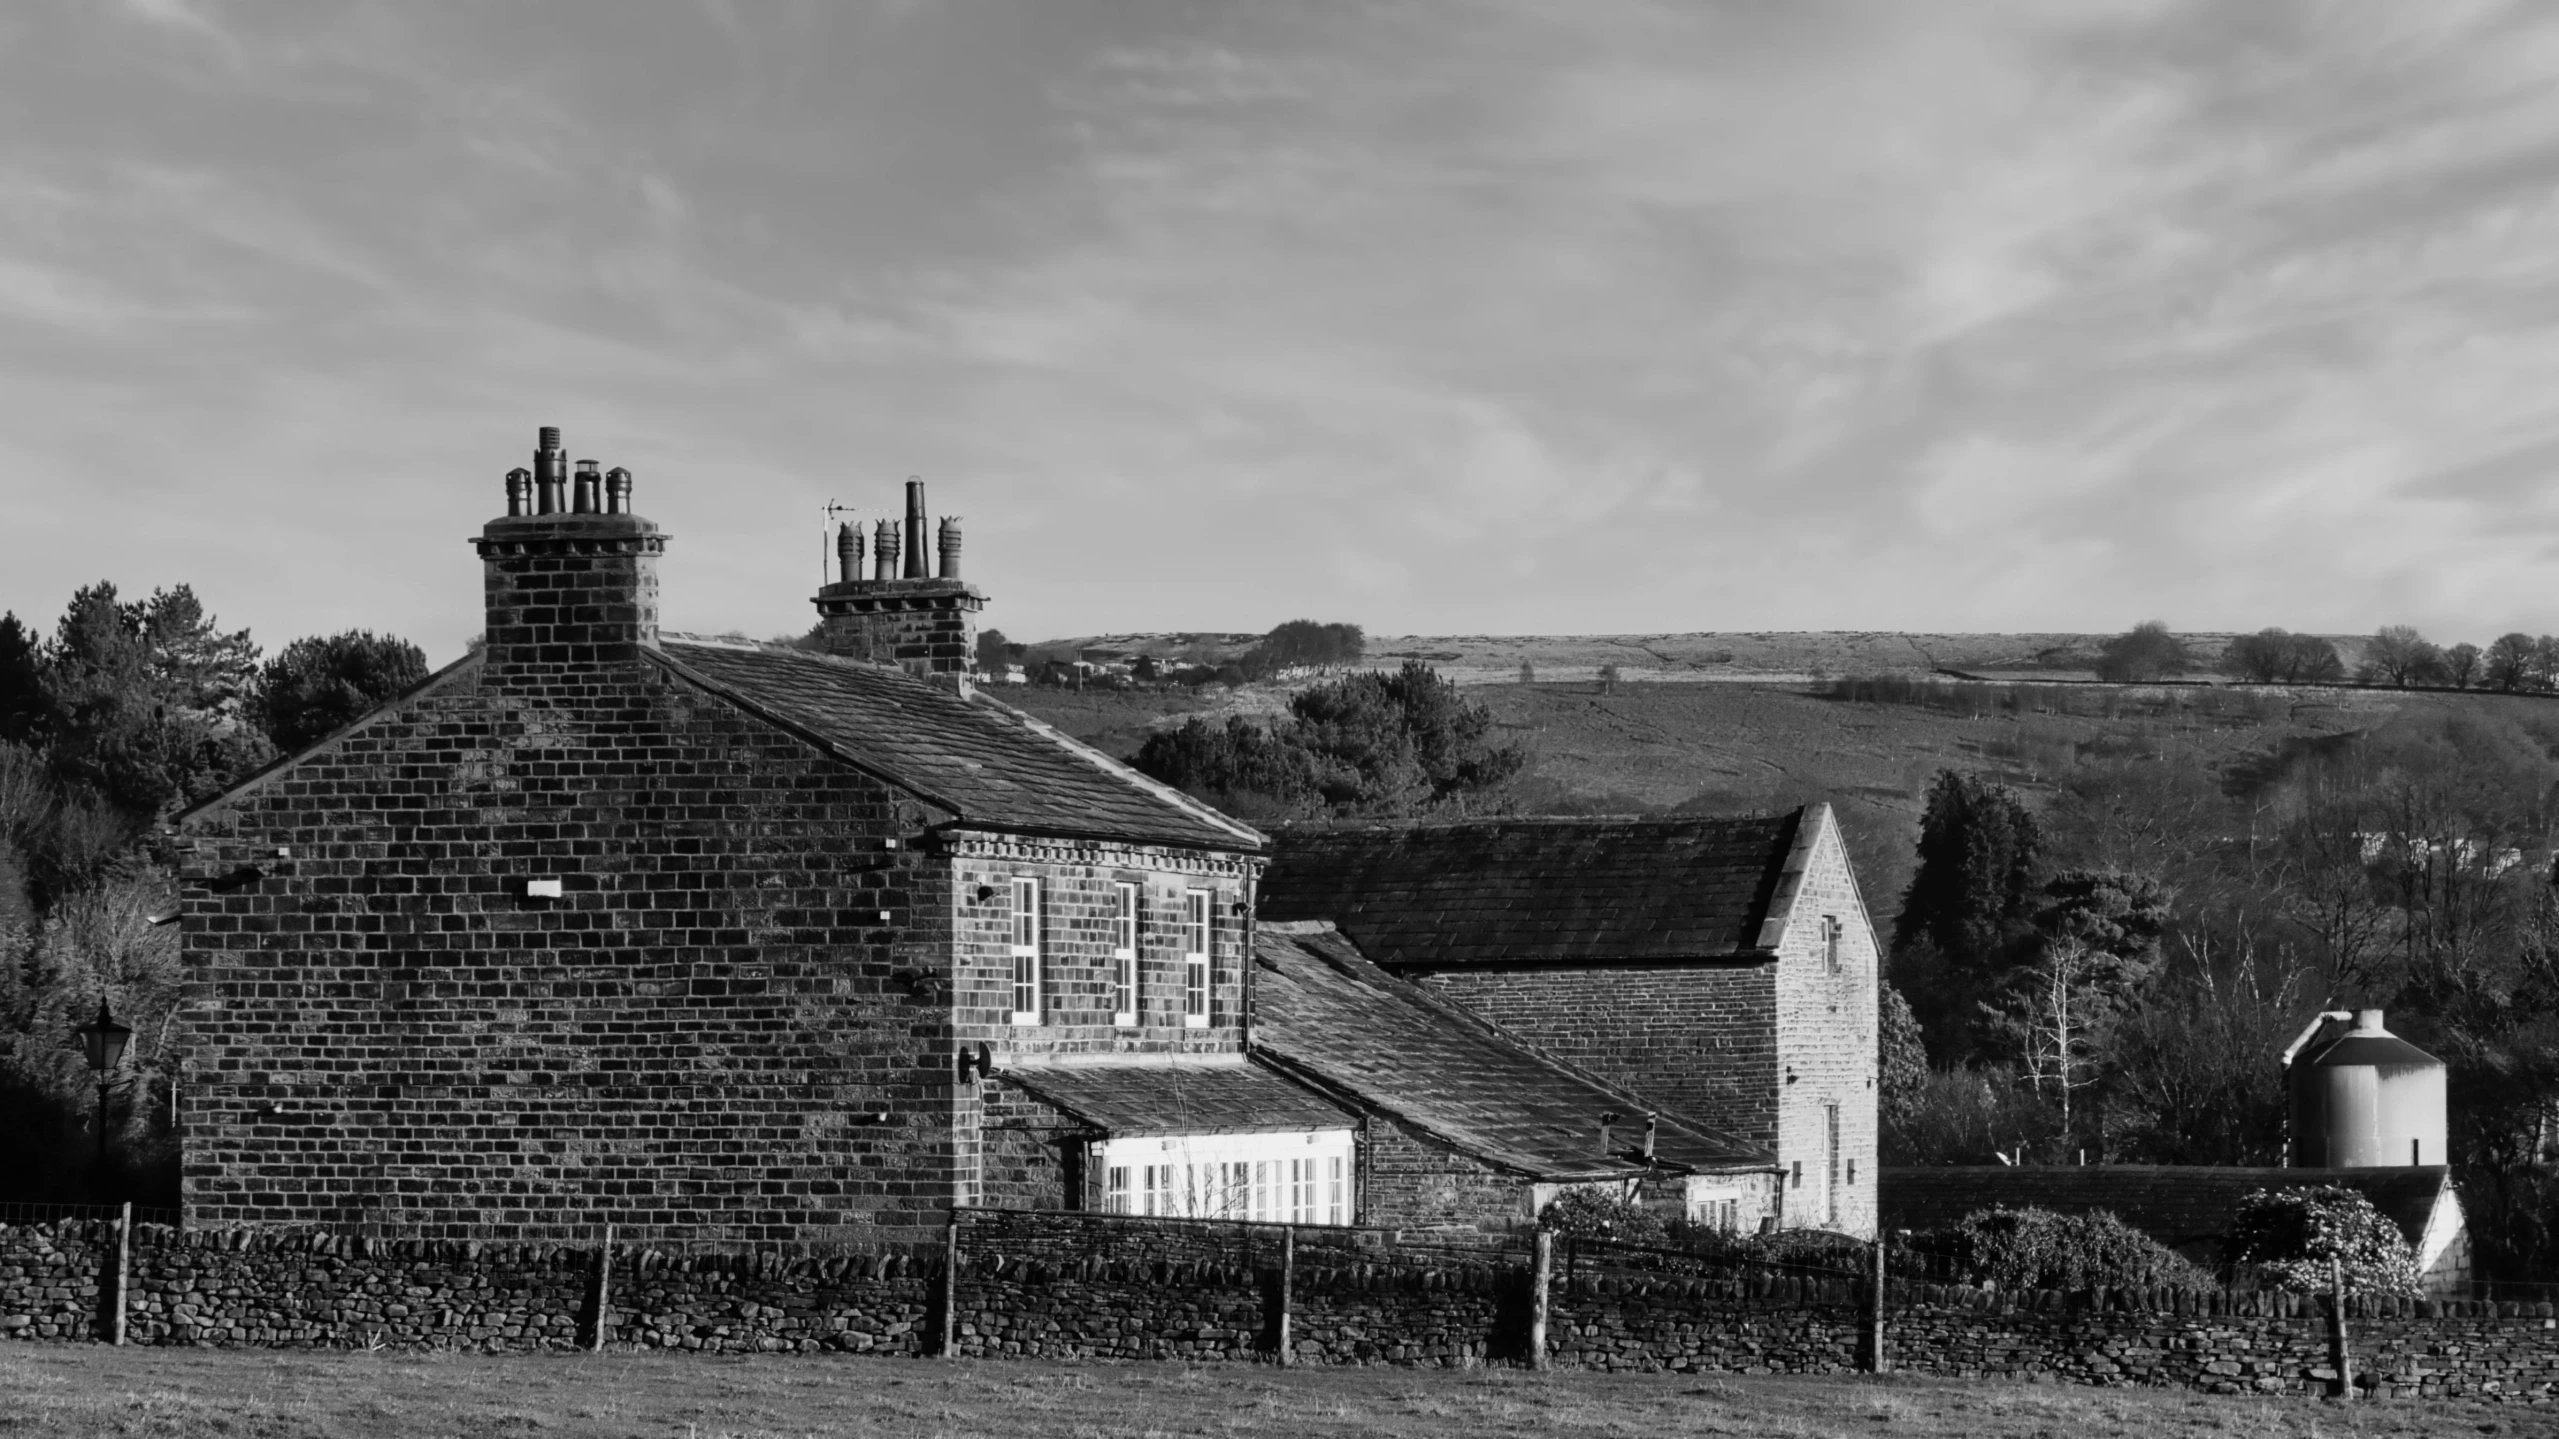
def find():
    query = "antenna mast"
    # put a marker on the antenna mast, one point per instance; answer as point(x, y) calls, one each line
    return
point(826, 538)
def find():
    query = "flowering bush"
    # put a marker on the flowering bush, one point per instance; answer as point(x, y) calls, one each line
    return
point(2039, 1249)
point(2291, 1234)
point(1599, 1212)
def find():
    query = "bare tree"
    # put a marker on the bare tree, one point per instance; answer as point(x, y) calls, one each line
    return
point(2052, 1012)
point(2398, 656)
point(2461, 665)
point(2508, 665)
point(2277, 656)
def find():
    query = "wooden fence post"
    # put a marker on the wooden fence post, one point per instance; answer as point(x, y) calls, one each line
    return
point(603, 1294)
point(1287, 1293)
point(124, 1274)
point(1877, 1361)
point(1541, 1279)
point(2343, 1386)
point(950, 1348)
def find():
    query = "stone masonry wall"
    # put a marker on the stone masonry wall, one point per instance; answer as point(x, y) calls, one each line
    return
point(1826, 1053)
point(1064, 1285)
point(1003, 1159)
point(1700, 1040)
point(728, 1026)
point(1407, 1181)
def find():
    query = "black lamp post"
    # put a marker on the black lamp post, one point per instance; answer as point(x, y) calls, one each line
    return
point(103, 1040)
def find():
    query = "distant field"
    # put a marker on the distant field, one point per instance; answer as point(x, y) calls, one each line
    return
point(1711, 655)
point(1649, 747)
point(91, 1392)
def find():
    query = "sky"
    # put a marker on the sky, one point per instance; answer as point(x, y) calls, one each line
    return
point(1494, 317)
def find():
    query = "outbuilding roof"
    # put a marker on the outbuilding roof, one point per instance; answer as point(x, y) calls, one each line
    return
point(2176, 1204)
point(1325, 1014)
point(983, 761)
point(1542, 891)
point(1205, 1094)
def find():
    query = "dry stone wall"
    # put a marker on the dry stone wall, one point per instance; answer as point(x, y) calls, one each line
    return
point(1082, 1286)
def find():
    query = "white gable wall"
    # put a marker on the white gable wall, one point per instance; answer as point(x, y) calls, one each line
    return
point(1826, 1044)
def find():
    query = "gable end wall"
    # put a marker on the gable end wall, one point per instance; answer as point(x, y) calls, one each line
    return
point(712, 1034)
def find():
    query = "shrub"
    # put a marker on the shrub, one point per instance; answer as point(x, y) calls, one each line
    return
point(2291, 1234)
point(2143, 653)
point(1598, 1212)
point(2039, 1249)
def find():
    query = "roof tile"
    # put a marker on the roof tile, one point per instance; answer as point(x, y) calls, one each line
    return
point(1535, 891)
point(986, 761)
point(1323, 1011)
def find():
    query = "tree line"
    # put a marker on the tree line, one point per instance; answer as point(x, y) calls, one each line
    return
point(2395, 656)
point(1295, 645)
point(2118, 971)
point(128, 711)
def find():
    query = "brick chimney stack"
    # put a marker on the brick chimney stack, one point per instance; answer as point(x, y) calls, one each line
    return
point(908, 617)
point(575, 582)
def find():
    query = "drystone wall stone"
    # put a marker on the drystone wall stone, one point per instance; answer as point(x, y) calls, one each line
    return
point(1069, 1286)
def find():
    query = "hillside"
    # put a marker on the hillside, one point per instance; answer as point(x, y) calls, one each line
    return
point(1754, 655)
point(1771, 738)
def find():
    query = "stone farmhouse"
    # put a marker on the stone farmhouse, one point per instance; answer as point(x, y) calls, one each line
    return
point(724, 942)
point(1723, 969)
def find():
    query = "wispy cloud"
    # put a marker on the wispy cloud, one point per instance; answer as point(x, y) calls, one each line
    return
point(1448, 316)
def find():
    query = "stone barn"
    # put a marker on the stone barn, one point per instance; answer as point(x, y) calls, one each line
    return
point(1724, 970)
point(1465, 1127)
point(703, 939)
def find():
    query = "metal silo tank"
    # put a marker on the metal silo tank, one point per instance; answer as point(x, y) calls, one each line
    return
point(2376, 1100)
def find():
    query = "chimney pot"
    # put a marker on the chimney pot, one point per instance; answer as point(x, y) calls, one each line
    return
point(2368, 1020)
point(950, 547)
point(1652, 1127)
point(587, 498)
point(848, 552)
point(884, 550)
point(519, 492)
point(550, 473)
point(617, 491)
point(915, 562)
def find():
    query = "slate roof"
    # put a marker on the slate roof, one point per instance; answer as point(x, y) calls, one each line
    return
point(986, 762)
point(2176, 1204)
point(1322, 1012)
point(1208, 1095)
point(1538, 891)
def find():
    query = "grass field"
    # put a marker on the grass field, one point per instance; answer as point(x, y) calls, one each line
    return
point(1644, 747)
point(70, 1392)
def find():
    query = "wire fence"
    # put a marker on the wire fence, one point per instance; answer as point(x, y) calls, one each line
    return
point(15, 1214)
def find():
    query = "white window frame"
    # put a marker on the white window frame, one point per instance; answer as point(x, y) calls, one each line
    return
point(1831, 929)
point(1124, 957)
point(1198, 934)
point(1303, 1177)
point(1022, 945)
point(1830, 1168)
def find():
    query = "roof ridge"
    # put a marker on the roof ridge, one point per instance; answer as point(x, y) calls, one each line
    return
point(1556, 821)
